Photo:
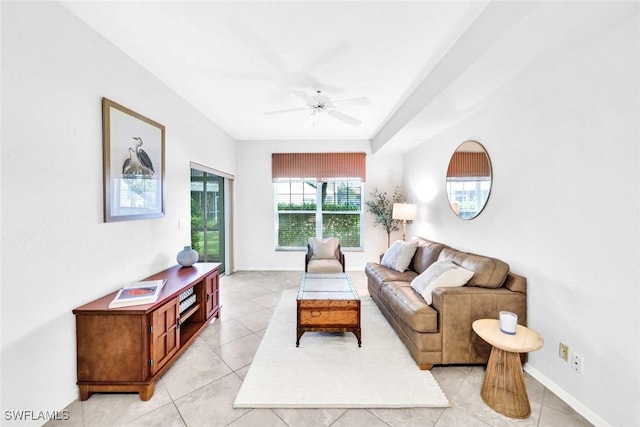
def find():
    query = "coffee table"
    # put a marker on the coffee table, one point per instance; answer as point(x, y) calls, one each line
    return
point(327, 303)
point(503, 388)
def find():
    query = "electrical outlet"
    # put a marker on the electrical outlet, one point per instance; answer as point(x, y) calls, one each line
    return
point(563, 352)
point(578, 364)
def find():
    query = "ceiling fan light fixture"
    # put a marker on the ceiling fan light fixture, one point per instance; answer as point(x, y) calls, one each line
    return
point(320, 103)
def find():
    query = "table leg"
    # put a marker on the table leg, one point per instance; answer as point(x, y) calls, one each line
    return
point(358, 334)
point(300, 331)
point(504, 389)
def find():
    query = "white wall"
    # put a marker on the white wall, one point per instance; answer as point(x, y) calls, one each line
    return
point(57, 253)
point(254, 214)
point(563, 211)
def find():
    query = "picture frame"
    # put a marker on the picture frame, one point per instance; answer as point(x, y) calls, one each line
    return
point(133, 164)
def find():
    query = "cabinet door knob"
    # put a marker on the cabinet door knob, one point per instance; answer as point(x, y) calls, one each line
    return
point(208, 297)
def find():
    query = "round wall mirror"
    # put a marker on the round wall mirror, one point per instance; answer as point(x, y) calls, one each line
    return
point(469, 180)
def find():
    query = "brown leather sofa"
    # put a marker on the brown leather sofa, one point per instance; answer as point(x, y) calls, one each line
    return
point(441, 333)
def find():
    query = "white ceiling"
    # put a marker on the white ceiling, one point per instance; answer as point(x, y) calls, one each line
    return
point(236, 60)
point(423, 64)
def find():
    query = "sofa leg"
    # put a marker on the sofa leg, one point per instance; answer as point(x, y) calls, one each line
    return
point(425, 367)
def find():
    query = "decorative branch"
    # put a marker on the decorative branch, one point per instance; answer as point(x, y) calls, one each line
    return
point(381, 206)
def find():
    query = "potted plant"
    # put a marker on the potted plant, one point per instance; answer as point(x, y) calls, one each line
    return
point(381, 206)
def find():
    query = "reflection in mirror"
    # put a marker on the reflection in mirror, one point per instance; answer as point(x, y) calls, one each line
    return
point(469, 179)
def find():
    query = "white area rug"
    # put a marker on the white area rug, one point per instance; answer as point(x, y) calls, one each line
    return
point(331, 371)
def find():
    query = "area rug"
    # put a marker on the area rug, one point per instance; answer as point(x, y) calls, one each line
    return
point(330, 371)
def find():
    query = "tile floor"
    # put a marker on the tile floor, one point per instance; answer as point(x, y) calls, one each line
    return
point(199, 389)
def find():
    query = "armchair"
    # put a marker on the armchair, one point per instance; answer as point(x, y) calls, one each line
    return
point(324, 256)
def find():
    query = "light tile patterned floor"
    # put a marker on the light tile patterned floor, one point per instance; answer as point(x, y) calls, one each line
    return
point(201, 386)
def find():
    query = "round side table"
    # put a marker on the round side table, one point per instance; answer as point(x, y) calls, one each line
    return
point(503, 388)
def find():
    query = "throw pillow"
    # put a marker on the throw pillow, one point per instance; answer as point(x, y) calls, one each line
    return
point(399, 255)
point(323, 248)
point(440, 274)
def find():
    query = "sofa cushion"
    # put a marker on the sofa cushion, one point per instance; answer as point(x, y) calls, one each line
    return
point(399, 255)
point(426, 254)
point(377, 275)
point(410, 307)
point(440, 274)
point(488, 272)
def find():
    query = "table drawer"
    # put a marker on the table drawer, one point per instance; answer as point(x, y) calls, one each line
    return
point(311, 317)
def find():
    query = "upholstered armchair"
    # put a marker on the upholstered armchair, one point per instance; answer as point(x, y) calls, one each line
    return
point(324, 256)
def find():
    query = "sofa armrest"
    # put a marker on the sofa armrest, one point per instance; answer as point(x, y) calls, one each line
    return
point(458, 308)
point(340, 256)
point(516, 283)
point(307, 257)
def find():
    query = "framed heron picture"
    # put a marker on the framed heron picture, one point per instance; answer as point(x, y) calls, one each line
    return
point(133, 164)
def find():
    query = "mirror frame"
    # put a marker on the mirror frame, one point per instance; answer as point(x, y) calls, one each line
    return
point(481, 148)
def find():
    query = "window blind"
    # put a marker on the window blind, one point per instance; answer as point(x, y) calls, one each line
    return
point(465, 164)
point(318, 165)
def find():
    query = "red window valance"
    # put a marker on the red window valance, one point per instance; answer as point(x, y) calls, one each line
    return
point(464, 163)
point(318, 165)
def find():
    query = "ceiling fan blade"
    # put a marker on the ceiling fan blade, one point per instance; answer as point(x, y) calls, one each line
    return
point(343, 117)
point(353, 101)
point(302, 95)
point(287, 110)
point(327, 56)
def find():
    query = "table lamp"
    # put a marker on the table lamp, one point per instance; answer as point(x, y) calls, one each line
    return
point(404, 212)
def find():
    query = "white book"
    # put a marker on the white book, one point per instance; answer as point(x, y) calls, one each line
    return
point(138, 293)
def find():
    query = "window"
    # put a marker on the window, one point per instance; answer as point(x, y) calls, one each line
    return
point(306, 207)
point(468, 195)
point(320, 203)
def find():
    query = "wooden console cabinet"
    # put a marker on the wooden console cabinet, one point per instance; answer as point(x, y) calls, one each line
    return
point(127, 349)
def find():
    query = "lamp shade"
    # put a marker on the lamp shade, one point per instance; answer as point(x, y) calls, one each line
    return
point(404, 211)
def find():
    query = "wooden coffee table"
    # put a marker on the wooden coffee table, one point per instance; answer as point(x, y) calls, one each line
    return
point(327, 303)
point(503, 388)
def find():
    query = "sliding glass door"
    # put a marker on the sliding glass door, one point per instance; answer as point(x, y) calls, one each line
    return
point(208, 216)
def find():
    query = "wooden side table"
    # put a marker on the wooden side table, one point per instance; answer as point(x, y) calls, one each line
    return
point(503, 388)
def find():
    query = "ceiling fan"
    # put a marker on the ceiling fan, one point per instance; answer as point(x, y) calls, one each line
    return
point(319, 103)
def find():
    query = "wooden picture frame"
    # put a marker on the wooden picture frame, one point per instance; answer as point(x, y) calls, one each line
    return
point(133, 164)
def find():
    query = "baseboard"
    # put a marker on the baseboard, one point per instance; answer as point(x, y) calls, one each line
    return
point(578, 406)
